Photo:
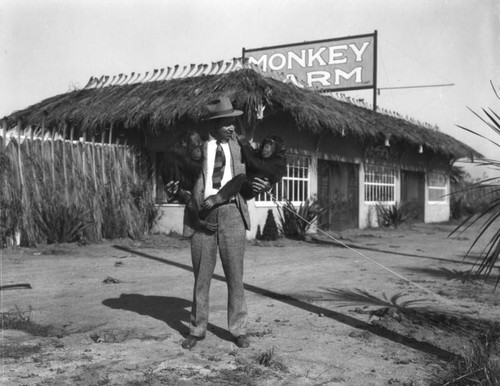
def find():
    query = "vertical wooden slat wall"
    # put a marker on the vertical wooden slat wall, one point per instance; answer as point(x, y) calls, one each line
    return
point(57, 172)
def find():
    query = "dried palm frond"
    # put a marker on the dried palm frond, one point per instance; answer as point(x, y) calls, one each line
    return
point(361, 297)
point(416, 310)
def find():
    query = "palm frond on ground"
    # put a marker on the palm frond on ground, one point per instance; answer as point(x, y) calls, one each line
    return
point(418, 311)
point(488, 217)
point(360, 297)
point(464, 276)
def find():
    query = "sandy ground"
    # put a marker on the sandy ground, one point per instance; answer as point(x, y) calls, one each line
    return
point(127, 330)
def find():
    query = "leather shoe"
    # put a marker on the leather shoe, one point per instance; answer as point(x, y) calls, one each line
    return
point(242, 341)
point(191, 341)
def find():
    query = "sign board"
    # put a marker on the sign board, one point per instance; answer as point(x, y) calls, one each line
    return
point(347, 63)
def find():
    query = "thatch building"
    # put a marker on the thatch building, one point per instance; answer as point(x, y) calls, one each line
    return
point(347, 155)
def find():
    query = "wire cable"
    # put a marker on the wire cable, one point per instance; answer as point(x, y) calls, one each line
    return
point(442, 298)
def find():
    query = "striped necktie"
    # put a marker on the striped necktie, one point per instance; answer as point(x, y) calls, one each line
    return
point(219, 164)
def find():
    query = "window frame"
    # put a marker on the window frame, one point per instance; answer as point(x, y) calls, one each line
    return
point(298, 169)
point(444, 188)
point(382, 185)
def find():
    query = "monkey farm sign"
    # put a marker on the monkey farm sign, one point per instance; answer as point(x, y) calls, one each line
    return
point(347, 63)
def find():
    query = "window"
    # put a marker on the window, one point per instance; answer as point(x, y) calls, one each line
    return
point(437, 186)
point(295, 184)
point(160, 196)
point(380, 184)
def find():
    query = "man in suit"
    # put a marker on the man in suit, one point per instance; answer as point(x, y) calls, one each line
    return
point(222, 161)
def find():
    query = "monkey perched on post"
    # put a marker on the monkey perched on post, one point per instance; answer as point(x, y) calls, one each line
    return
point(268, 162)
point(180, 168)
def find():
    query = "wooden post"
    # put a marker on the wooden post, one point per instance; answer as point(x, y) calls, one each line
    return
point(117, 169)
point(19, 158)
point(94, 175)
point(65, 173)
point(33, 163)
point(42, 155)
point(29, 141)
point(53, 160)
point(24, 197)
point(103, 158)
point(84, 162)
point(72, 159)
point(375, 34)
point(111, 154)
point(110, 133)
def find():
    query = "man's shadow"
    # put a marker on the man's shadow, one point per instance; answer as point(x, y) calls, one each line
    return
point(172, 311)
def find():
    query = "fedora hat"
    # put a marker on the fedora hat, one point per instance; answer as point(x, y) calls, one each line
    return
point(222, 108)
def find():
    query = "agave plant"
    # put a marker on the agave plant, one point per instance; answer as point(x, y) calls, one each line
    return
point(395, 215)
point(295, 223)
point(488, 217)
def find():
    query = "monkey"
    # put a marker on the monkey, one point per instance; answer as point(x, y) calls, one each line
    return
point(180, 168)
point(268, 162)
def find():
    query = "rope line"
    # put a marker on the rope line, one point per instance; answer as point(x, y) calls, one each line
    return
point(442, 298)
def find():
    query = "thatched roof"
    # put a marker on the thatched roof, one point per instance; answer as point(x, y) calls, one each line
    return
point(160, 105)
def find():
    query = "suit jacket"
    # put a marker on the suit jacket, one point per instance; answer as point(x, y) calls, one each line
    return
point(238, 167)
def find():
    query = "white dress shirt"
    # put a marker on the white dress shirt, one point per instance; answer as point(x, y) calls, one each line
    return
point(211, 149)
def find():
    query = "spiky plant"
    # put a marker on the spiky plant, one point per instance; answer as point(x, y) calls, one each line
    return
point(395, 215)
point(488, 217)
point(296, 222)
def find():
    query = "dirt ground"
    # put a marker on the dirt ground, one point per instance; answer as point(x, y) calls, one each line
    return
point(118, 311)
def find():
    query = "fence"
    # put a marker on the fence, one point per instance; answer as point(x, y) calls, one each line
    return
point(62, 190)
point(469, 198)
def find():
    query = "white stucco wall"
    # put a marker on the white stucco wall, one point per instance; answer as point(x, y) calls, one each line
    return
point(171, 219)
point(437, 211)
point(172, 216)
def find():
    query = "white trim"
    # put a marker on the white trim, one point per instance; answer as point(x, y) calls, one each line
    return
point(169, 205)
point(272, 204)
point(383, 203)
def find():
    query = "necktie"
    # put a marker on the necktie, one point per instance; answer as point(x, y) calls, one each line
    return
point(219, 164)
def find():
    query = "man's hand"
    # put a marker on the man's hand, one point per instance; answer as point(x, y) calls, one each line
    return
point(171, 189)
point(242, 140)
point(260, 185)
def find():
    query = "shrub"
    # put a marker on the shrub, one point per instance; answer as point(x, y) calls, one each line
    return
point(395, 215)
point(9, 220)
point(295, 223)
point(60, 223)
point(469, 197)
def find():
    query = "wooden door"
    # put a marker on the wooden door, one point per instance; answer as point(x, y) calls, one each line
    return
point(338, 189)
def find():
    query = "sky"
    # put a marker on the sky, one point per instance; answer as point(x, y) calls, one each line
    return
point(52, 46)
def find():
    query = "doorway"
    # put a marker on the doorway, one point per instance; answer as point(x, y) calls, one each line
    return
point(338, 189)
point(413, 193)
